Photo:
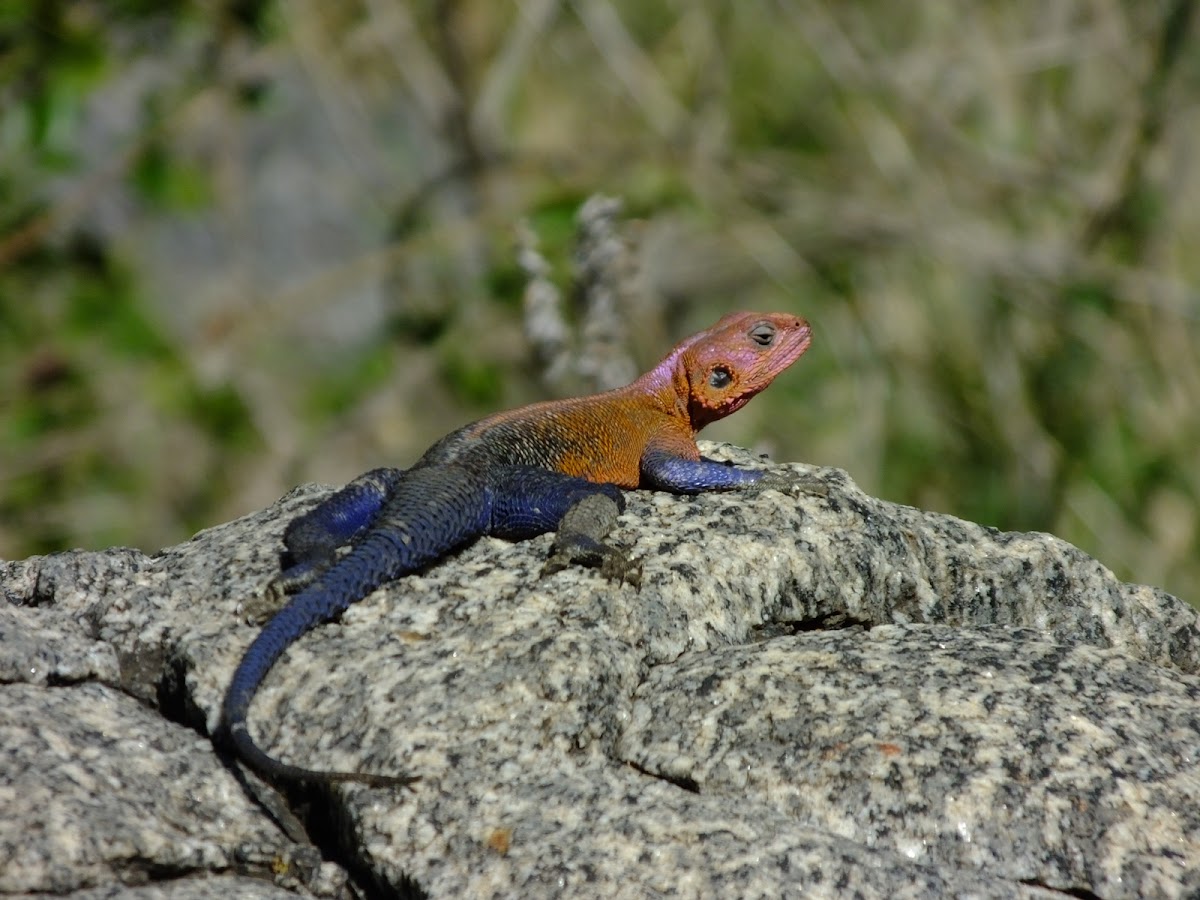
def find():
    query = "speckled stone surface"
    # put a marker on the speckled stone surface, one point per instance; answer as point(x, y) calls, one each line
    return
point(823, 695)
point(216, 887)
point(95, 788)
point(1027, 759)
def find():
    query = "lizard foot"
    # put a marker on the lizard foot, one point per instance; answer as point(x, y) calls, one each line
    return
point(574, 549)
point(579, 541)
point(789, 483)
point(257, 610)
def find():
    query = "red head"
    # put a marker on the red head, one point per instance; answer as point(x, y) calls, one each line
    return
point(721, 368)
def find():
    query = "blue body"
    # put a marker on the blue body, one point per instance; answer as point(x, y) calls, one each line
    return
point(397, 521)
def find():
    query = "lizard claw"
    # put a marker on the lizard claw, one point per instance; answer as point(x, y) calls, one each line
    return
point(290, 581)
point(621, 569)
point(257, 610)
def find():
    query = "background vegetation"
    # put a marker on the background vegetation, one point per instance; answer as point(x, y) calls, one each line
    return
point(245, 244)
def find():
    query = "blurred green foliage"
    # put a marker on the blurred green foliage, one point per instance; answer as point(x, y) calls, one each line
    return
point(244, 244)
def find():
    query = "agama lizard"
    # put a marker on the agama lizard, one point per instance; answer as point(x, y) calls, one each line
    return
point(552, 466)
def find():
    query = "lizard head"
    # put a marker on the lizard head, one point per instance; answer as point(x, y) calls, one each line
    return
point(729, 363)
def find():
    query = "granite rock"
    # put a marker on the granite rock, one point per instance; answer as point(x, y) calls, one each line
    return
point(828, 695)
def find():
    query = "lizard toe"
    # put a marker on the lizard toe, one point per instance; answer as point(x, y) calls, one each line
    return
point(573, 549)
point(789, 483)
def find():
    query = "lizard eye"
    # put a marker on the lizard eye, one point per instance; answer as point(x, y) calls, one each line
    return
point(763, 333)
point(719, 378)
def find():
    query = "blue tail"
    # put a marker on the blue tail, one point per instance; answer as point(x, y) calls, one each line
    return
point(431, 513)
point(317, 604)
point(408, 522)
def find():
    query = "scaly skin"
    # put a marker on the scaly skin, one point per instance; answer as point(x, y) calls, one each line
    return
point(553, 466)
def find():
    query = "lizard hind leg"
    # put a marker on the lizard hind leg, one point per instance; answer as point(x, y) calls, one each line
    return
point(528, 501)
point(312, 540)
point(579, 542)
